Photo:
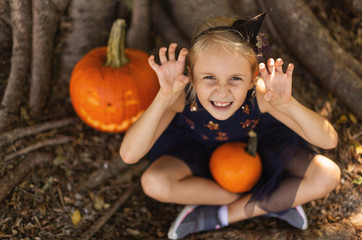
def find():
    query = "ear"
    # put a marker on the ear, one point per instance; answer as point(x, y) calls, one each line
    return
point(253, 79)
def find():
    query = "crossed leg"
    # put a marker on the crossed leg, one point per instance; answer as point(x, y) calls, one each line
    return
point(169, 179)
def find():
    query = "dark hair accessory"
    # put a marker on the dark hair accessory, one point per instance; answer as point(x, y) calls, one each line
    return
point(249, 29)
point(246, 29)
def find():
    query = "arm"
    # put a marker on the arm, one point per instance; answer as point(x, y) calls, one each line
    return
point(274, 96)
point(170, 99)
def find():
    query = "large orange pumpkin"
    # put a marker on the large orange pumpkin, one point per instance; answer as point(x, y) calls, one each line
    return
point(111, 86)
point(233, 168)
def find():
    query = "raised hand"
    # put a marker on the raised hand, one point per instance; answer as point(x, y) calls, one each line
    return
point(278, 84)
point(170, 72)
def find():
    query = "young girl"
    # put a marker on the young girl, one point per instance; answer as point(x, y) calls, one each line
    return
point(225, 101)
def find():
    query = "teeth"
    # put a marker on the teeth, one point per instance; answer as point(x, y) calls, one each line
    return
point(222, 104)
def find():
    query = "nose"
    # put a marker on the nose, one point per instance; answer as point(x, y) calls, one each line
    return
point(222, 90)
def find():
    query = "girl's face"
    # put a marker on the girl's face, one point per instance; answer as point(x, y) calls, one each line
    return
point(222, 80)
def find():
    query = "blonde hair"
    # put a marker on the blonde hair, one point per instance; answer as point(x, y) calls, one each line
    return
point(226, 39)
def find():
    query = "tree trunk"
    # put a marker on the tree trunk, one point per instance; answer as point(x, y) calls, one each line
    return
point(46, 17)
point(312, 45)
point(166, 27)
point(188, 14)
point(20, 61)
point(244, 8)
point(88, 26)
point(138, 33)
point(5, 42)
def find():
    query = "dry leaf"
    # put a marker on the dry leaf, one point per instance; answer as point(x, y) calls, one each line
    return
point(358, 149)
point(352, 118)
point(342, 119)
point(98, 203)
point(76, 218)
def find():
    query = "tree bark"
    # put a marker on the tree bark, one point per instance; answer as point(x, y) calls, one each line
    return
point(166, 27)
point(312, 45)
point(46, 17)
point(5, 42)
point(21, 51)
point(244, 8)
point(188, 14)
point(138, 34)
point(89, 24)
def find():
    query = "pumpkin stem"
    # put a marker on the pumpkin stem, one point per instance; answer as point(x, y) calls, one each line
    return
point(253, 143)
point(116, 52)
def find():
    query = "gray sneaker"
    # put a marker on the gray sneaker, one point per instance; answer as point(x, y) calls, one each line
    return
point(194, 218)
point(294, 216)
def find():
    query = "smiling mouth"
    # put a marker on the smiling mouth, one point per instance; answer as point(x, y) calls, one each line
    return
point(221, 105)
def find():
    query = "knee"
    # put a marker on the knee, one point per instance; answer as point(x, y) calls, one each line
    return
point(156, 186)
point(328, 175)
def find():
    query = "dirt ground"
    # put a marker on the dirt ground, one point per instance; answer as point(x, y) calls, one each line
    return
point(46, 202)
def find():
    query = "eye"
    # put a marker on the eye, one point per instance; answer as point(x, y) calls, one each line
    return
point(209, 77)
point(236, 78)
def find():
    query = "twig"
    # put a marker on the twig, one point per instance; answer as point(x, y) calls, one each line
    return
point(14, 176)
point(109, 213)
point(9, 137)
point(45, 143)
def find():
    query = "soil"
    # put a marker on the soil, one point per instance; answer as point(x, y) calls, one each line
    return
point(44, 204)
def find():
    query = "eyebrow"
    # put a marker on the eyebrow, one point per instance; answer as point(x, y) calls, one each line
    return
point(236, 74)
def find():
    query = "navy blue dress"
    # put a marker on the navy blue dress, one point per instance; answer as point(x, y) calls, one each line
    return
point(192, 137)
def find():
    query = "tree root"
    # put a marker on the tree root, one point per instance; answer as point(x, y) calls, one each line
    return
point(46, 18)
point(9, 137)
point(15, 176)
point(45, 143)
point(20, 61)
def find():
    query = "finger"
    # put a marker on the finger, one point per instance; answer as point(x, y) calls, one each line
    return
point(290, 69)
point(162, 54)
point(271, 65)
point(265, 76)
point(182, 55)
point(279, 65)
point(262, 70)
point(152, 63)
point(171, 51)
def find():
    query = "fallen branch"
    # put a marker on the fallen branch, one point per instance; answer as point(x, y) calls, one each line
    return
point(16, 175)
point(9, 137)
point(109, 213)
point(114, 167)
point(44, 143)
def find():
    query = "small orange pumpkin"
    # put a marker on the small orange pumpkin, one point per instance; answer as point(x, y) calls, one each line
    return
point(233, 168)
point(111, 86)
